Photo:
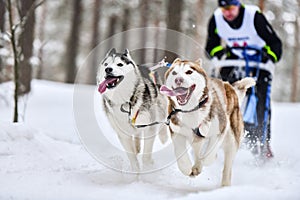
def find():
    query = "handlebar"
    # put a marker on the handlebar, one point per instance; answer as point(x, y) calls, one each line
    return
point(268, 66)
point(258, 50)
point(249, 53)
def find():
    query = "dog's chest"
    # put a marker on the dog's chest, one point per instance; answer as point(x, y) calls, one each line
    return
point(126, 116)
point(192, 119)
point(119, 114)
point(186, 122)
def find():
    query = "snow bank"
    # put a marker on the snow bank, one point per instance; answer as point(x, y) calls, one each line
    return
point(42, 158)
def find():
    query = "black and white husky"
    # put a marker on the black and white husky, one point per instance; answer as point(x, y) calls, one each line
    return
point(131, 99)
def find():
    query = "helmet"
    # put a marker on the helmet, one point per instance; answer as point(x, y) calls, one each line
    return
point(224, 3)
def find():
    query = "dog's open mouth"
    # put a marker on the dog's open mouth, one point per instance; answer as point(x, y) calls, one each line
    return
point(182, 99)
point(109, 83)
point(182, 94)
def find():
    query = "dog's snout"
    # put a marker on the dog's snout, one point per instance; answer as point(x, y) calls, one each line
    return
point(179, 81)
point(108, 70)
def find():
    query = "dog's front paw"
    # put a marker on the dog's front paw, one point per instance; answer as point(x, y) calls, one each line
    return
point(185, 171)
point(196, 170)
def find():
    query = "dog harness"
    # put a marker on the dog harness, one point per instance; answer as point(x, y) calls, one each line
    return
point(197, 132)
point(167, 122)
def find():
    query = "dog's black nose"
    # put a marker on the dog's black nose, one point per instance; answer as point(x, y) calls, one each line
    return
point(108, 70)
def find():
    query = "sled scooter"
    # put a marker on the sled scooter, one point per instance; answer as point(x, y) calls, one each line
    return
point(249, 66)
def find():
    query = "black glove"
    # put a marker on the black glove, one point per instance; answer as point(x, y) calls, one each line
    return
point(265, 56)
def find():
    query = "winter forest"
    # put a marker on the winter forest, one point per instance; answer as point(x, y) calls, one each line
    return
point(57, 36)
point(51, 48)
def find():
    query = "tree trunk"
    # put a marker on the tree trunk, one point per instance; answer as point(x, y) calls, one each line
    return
point(26, 43)
point(295, 70)
point(144, 8)
point(174, 8)
point(200, 31)
point(16, 62)
point(73, 42)
point(125, 26)
point(41, 35)
point(111, 31)
point(2, 30)
point(94, 42)
point(2, 17)
point(157, 53)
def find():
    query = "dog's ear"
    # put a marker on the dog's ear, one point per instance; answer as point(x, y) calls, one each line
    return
point(127, 54)
point(111, 52)
point(199, 62)
point(126, 51)
point(176, 60)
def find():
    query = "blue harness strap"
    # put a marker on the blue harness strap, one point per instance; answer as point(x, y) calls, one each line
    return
point(250, 114)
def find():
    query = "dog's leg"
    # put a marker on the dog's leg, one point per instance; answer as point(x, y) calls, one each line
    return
point(163, 130)
point(137, 144)
point(197, 147)
point(163, 134)
point(149, 138)
point(181, 153)
point(129, 146)
point(230, 148)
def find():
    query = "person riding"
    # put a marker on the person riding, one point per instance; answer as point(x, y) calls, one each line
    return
point(242, 26)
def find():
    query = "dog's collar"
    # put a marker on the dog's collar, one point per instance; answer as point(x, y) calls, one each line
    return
point(201, 103)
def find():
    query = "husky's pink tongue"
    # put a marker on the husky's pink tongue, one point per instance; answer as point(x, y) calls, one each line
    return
point(103, 85)
point(170, 92)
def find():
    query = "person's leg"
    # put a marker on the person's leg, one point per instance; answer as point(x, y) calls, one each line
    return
point(251, 137)
point(264, 111)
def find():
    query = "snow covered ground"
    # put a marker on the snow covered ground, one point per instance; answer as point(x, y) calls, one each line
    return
point(42, 158)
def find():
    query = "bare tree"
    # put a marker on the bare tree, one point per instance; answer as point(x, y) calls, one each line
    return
point(200, 38)
point(295, 69)
point(144, 12)
point(157, 19)
point(16, 61)
point(94, 41)
point(2, 30)
point(2, 16)
point(41, 35)
point(21, 52)
point(174, 8)
point(112, 24)
point(125, 26)
point(73, 42)
point(26, 43)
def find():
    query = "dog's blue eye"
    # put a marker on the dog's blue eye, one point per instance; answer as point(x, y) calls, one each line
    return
point(174, 73)
point(120, 65)
point(189, 72)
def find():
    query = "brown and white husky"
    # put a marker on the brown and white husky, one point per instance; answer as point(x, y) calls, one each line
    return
point(204, 112)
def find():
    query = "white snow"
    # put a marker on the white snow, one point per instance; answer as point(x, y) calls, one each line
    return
point(42, 158)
